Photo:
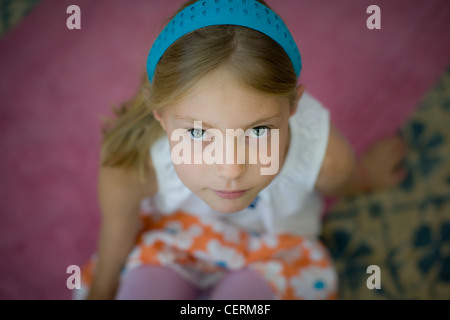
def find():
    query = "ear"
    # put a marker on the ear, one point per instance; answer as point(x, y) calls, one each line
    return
point(158, 114)
point(293, 108)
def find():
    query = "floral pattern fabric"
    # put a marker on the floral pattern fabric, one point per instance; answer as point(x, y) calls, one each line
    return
point(203, 249)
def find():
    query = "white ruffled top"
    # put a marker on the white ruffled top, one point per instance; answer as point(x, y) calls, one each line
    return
point(288, 205)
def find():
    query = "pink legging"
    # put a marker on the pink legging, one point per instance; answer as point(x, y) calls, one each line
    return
point(162, 283)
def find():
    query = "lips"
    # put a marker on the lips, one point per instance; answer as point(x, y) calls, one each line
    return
point(230, 194)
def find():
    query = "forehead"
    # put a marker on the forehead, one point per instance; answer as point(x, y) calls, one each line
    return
point(218, 98)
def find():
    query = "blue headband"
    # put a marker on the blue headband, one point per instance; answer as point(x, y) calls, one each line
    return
point(246, 13)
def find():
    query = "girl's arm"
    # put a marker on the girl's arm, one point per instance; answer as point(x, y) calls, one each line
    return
point(337, 174)
point(379, 167)
point(120, 195)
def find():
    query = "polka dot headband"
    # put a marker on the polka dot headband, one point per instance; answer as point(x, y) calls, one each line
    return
point(203, 13)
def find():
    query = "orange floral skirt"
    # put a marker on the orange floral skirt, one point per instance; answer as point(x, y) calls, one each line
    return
point(203, 249)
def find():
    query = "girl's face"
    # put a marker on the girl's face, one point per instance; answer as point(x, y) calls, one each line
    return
point(217, 131)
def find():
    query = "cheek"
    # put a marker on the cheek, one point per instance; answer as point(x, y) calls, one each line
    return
point(265, 180)
point(257, 180)
point(283, 140)
point(191, 175)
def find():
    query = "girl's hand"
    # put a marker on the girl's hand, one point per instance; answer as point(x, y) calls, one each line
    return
point(381, 165)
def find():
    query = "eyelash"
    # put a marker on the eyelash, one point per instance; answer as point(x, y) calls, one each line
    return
point(191, 133)
point(266, 132)
point(266, 128)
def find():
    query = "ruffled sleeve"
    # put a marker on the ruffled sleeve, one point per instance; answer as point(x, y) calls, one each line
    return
point(310, 128)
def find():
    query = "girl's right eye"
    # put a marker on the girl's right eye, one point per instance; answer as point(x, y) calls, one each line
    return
point(196, 134)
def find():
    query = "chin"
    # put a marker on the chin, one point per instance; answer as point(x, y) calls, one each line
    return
point(228, 206)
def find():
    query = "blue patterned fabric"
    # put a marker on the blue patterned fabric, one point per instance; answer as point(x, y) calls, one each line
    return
point(405, 230)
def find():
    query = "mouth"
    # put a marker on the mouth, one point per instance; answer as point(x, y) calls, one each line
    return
point(230, 194)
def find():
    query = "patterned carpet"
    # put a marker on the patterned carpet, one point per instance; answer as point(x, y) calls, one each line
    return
point(13, 11)
point(406, 230)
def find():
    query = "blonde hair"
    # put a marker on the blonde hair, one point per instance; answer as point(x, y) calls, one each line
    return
point(252, 58)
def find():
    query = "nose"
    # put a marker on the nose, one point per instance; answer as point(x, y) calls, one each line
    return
point(230, 171)
point(233, 156)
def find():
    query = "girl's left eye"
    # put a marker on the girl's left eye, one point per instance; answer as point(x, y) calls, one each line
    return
point(259, 132)
point(196, 134)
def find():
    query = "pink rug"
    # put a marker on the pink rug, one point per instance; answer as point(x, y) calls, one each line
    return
point(57, 84)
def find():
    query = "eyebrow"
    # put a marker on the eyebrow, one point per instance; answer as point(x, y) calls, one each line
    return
point(251, 125)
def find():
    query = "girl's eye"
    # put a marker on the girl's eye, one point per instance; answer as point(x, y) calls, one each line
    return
point(259, 132)
point(197, 134)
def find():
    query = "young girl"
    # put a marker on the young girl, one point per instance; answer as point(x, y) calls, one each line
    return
point(210, 176)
